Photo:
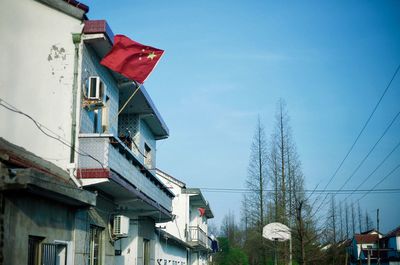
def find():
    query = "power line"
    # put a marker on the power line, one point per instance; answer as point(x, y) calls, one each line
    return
point(41, 126)
point(382, 180)
point(376, 168)
point(371, 150)
point(363, 128)
point(356, 140)
point(362, 161)
point(332, 191)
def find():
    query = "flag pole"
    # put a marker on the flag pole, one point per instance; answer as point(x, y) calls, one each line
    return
point(129, 99)
point(126, 103)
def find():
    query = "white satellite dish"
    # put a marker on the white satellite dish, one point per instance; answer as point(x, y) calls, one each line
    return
point(276, 232)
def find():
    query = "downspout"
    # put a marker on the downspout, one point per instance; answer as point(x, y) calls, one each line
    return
point(76, 39)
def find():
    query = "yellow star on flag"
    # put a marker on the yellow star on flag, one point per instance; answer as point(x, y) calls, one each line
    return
point(151, 55)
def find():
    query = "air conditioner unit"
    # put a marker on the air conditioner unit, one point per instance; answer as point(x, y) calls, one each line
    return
point(95, 88)
point(121, 226)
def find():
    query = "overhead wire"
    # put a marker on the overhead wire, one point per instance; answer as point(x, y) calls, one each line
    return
point(331, 191)
point(41, 128)
point(379, 182)
point(371, 150)
point(358, 136)
point(376, 168)
point(363, 128)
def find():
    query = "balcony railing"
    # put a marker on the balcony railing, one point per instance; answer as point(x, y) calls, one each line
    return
point(114, 155)
point(197, 237)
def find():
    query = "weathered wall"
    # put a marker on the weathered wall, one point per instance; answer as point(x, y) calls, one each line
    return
point(36, 74)
point(27, 215)
point(91, 67)
point(99, 216)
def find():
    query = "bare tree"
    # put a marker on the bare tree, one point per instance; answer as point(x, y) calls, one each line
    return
point(359, 218)
point(229, 228)
point(369, 224)
point(346, 216)
point(341, 221)
point(334, 220)
point(255, 201)
point(353, 219)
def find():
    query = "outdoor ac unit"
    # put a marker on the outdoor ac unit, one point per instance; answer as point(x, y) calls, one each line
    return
point(95, 88)
point(121, 226)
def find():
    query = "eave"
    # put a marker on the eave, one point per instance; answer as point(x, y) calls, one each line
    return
point(98, 35)
point(197, 199)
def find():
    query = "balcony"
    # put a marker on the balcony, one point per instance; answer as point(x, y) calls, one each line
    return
point(197, 238)
point(111, 166)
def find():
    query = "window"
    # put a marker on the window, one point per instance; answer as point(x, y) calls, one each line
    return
point(95, 245)
point(96, 88)
point(105, 116)
point(147, 153)
point(61, 254)
point(146, 252)
point(34, 250)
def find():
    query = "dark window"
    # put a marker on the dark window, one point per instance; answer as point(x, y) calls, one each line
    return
point(147, 153)
point(146, 252)
point(34, 250)
point(95, 245)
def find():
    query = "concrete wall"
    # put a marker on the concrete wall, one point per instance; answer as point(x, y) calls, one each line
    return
point(91, 67)
point(169, 253)
point(180, 204)
point(27, 215)
point(36, 74)
point(100, 217)
point(131, 247)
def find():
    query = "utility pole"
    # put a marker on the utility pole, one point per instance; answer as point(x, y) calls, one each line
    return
point(377, 228)
point(377, 219)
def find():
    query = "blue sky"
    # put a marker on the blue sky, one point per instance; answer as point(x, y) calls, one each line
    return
point(228, 61)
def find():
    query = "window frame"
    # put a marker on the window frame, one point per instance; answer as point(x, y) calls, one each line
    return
point(95, 234)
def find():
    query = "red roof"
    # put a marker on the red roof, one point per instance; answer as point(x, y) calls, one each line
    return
point(395, 232)
point(366, 239)
point(78, 5)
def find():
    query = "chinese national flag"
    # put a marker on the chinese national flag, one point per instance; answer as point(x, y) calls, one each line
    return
point(131, 59)
point(202, 211)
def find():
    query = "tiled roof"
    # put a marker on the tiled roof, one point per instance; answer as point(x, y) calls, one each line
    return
point(98, 26)
point(395, 232)
point(366, 239)
point(78, 5)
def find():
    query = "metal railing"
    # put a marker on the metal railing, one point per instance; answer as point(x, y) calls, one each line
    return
point(111, 153)
point(196, 236)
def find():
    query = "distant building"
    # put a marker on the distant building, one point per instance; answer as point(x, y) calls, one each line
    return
point(189, 227)
point(391, 242)
point(371, 247)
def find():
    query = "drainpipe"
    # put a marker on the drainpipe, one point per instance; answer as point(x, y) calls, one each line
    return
point(76, 39)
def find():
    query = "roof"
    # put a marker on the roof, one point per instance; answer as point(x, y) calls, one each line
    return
point(23, 171)
point(371, 231)
point(168, 177)
point(77, 4)
point(100, 37)
point(171, 238)
point(70, 7)
point(394, 232)
point(197, 199)
point(366, 239)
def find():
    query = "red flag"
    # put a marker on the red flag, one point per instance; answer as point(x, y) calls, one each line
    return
point(202, 211)
point(131, 59)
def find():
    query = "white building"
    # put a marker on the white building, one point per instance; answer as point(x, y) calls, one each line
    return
point(59, 103)
point(191, 213)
